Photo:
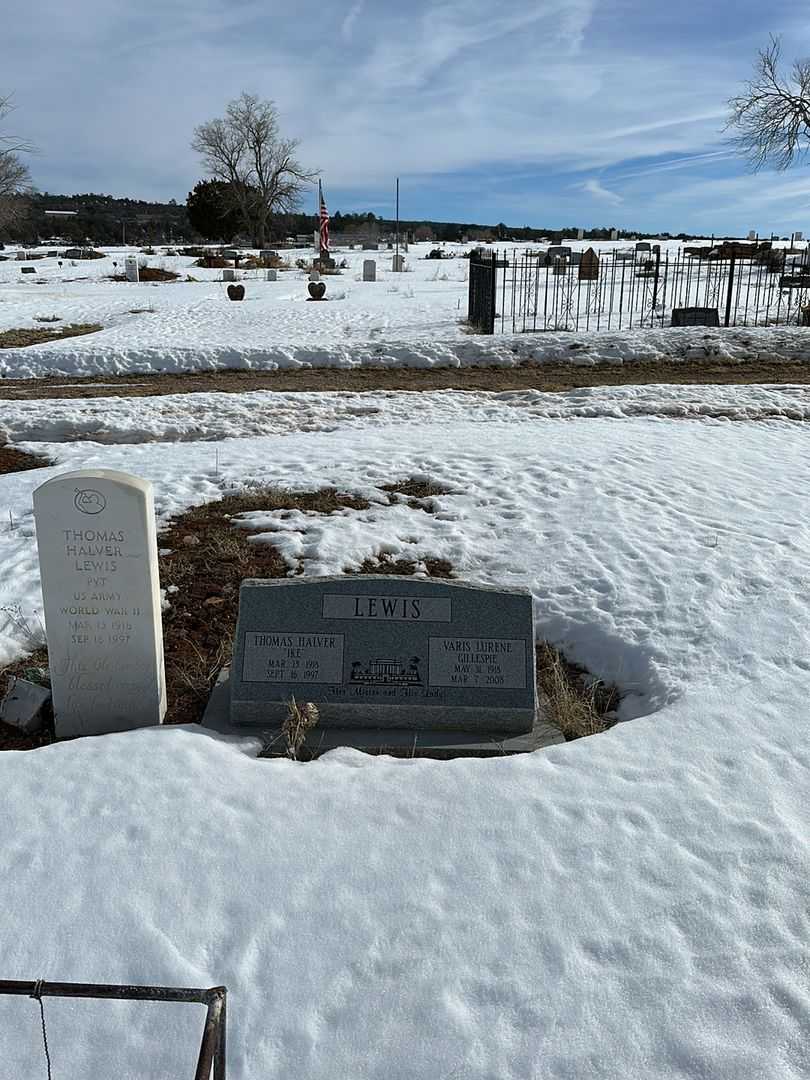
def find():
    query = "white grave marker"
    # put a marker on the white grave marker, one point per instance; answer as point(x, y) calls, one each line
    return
point(99, 566)
point(131, 268)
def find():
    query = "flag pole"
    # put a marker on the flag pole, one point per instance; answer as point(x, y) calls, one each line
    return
point(397, 252)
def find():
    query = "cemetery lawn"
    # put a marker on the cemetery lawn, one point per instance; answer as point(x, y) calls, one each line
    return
point(633, 904)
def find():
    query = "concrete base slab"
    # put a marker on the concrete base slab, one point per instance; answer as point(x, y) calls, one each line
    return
point(397, 742)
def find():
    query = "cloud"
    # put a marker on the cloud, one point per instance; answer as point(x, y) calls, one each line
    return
point(484, 111)
point(347, 26)
point(593, 187)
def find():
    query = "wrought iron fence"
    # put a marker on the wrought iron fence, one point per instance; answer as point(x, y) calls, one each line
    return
point(634, 289)
point(482, 291)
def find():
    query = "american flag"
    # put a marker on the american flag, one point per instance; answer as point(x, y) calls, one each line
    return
point(324, 215)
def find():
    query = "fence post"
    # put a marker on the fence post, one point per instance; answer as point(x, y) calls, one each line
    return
point(731, 265)
point(655, 283)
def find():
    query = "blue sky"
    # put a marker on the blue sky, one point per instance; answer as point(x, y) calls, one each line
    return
point(526, 111)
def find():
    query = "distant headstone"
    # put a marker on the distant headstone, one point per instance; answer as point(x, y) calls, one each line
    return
point(369, 270)
point(28, 269)
point(230, 253)
point(559, 267)
point(314, 276)
point(99, 567)
point(71, 253)
point(272, 275)
point(268, 253)
point(22, 256)
point(580, 234)
point(398, 264)
point(228, 274)
point(236, 292)
point(376, 651)
point(131, 268)
point(798, 236)
point(695, 316)
point(752, 234)
point(317, 290)
point(642, 245)
point(614, 234)
point(369, 245)
point(588, 266)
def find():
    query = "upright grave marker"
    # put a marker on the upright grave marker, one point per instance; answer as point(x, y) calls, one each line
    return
point(131, 268)
point(369, 270)
point(589, 266)
point(98, 562)
point(377, 652)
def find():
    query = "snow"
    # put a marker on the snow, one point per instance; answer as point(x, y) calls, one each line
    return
point(631, 905)
point(412, 319)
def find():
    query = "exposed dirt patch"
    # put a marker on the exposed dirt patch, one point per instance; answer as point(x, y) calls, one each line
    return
point(415, 488)
point(18, 339)
point(13, 460)
point(552, 378)
point(149, 273)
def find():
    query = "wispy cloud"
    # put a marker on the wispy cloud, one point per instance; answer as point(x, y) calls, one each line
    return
point(354, 13)
point(595, 188)
point(542, 108)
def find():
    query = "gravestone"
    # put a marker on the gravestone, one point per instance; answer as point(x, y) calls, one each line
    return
point(398, 264)
point(28, 269)
point(589, 266)
point(272, 275)
point(228, 274)
point(314, 276)
point(614, 234)
point(580, 234)
point(268, 253)
point(695, 316)
point(131, 268)
point(752, 234)
point(369, 270)
point(559, 266)
point(378, 652)
point(236, 292)
point(798, 236)
point(642, 245)
point(369, 245)
point(99, 568)
point(317, 290)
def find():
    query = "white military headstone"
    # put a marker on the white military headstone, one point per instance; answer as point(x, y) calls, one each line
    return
point(131, 268)
point(398, 264)
point(369, 270)
point(614, 234)
point(314, 275)
point(580, 234)
point(98, 562)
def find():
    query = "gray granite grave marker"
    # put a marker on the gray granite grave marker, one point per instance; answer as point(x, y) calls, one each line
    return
point(99, 567)
point(369, 270)
point(389, 653)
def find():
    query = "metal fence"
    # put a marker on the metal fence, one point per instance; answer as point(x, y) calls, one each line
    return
point(482, 291)
point(628, 290)
point(212, 1051)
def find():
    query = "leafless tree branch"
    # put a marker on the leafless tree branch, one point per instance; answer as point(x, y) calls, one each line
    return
point(771, 117)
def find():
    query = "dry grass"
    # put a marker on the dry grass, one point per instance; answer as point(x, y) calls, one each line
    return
point(578, 704)
point(387, 564)
point(14, 461)
point(21, 338)
point(417, 488)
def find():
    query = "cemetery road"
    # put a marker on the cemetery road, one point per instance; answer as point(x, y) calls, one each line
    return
point(553, 378)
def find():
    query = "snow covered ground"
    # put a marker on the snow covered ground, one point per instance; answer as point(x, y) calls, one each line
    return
point(411, 319)
point(631, 905)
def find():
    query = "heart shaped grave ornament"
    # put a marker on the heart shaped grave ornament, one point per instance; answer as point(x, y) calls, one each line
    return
point(317, 289)
point(236, 292)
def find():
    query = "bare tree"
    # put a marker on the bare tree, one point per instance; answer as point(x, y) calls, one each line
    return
point(15, 180)
point(246, 151)
point(771, 117)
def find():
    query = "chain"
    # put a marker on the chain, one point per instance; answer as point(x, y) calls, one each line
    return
point(37, 995)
